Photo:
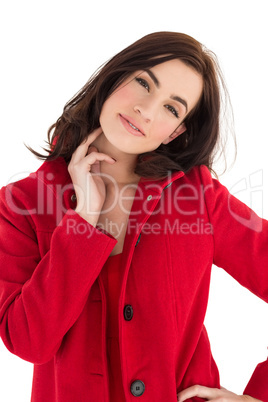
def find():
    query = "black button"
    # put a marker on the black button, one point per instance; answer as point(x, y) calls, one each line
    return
point(128, 312)
point(73, 198)
point(137, 388)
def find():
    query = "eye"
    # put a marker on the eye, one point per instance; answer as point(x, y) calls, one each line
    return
point(143, 83)
point(172, 110)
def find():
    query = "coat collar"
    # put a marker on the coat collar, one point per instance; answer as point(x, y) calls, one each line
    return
point(56, 172)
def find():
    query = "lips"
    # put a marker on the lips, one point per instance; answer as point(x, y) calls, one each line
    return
point(132, 124)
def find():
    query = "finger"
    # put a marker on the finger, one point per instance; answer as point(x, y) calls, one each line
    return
point(82, 149)
point(200, 391)
point(93, 158)
point(95, 167)
point(92, 148)
point(92, 136)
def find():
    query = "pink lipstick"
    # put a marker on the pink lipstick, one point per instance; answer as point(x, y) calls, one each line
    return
point(130, 125)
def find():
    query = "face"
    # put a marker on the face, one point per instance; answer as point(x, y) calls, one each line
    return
point(149, 107)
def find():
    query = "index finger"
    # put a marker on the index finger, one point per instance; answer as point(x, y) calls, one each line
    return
point(199, 391)
point(82, 149)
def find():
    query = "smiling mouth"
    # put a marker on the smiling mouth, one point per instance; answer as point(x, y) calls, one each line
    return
point(135, 128)
point(132, 126)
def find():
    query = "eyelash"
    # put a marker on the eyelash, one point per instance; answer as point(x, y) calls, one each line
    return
point(145, 84)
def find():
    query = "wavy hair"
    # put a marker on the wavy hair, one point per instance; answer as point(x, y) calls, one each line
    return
point(198, 145)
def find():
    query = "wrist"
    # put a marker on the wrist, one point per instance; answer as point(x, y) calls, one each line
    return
point(90, 218)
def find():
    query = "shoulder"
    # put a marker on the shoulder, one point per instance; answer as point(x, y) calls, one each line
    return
point(198, 175)
point(199, 184)
point(39, 194)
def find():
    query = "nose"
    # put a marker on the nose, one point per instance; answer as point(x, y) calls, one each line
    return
point(145, 112)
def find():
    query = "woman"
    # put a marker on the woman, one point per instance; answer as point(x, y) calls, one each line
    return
point(106, 250)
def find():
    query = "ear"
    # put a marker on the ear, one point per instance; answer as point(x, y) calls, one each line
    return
point(181, 129)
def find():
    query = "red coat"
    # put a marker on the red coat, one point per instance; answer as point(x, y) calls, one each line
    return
point(52, 300)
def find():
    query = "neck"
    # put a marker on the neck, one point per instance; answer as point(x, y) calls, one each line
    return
point(123, 170)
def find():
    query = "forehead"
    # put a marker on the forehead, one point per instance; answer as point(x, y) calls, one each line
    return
point(177, 78)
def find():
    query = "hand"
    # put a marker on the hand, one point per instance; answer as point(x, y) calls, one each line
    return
point(213, 394)
point(84, 169)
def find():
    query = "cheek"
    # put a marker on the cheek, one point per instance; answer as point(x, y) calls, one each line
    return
point(121, 97)
point(163, 128)
point(119, 102)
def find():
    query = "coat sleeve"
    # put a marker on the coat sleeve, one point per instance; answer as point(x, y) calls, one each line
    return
point(241, 249)
point(41, 298)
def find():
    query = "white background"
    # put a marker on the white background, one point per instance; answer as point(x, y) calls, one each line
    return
point(48, 51)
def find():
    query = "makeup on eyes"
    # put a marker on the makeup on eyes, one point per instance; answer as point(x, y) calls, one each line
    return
point(146, 85)
point(158, 85)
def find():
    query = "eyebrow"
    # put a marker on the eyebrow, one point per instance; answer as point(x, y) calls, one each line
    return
point(157, 84)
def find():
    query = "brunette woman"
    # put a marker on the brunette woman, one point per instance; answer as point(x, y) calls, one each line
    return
point(106, 251)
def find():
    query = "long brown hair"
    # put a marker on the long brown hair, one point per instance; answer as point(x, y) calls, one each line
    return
point(196, 146)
